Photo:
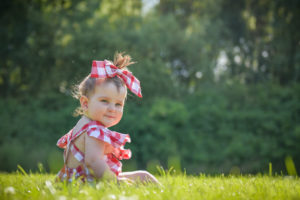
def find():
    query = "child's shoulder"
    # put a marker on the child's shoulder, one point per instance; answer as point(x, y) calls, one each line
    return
point(82, 122)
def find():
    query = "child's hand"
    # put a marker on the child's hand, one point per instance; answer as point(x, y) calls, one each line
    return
point(121, 180)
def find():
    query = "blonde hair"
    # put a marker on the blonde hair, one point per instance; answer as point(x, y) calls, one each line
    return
point(87, 86)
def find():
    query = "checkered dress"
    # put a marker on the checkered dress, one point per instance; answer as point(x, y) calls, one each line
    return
point(98, 131)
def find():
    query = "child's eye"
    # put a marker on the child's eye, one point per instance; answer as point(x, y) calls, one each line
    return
point(118, 104)
point(104, 100)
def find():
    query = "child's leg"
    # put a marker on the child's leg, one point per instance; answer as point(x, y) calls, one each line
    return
point(140, 175)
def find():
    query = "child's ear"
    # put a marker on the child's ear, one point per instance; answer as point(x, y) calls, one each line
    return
point(84, 102)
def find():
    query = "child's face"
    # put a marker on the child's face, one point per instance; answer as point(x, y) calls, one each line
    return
point(106, 104)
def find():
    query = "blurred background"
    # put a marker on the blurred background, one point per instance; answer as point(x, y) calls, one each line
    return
point(220, 80)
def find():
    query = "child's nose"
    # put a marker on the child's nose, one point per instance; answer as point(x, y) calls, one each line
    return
point(111, 107)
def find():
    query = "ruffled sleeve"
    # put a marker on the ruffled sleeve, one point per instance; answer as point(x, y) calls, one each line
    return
point(97, 130)
point(63, 141)
point(117, 140)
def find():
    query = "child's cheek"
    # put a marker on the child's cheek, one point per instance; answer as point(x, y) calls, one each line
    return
point(121, 115)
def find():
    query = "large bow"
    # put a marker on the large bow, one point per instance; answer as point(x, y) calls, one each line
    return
point(105, 69)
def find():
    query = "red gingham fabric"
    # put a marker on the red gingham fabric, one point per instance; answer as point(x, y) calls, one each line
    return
point(97, 130)
point(68, 174)
point(105, 69)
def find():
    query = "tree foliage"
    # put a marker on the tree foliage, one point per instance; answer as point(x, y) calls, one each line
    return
point(221, 88)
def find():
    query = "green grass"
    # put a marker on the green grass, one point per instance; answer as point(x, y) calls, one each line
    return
point(42, 186)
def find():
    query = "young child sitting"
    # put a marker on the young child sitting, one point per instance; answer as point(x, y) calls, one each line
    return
point(92, 151)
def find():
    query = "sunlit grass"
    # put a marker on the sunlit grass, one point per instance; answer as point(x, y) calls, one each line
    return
point(43, 186)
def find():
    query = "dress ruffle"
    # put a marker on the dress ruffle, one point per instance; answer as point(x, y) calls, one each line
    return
point(98, 131)
point(63, 141)
point(117, 140)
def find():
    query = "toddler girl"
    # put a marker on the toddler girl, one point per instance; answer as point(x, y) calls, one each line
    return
point(92, 151)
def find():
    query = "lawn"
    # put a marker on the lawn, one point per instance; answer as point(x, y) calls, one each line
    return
point(42, 186)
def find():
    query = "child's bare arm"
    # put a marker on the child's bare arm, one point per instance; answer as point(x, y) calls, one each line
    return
point(94, 152)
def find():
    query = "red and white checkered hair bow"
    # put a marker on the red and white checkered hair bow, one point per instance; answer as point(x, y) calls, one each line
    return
point(105, 69)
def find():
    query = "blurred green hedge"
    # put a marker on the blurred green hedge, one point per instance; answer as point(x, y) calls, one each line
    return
point(211, 131)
